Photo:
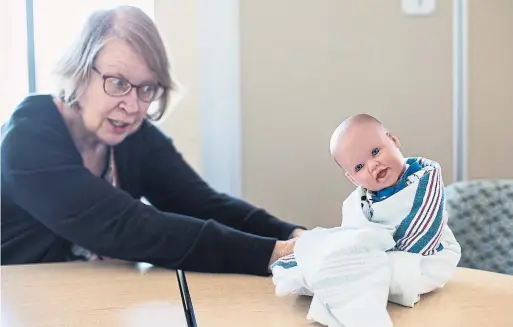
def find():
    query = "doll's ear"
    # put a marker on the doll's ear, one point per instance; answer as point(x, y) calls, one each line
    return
point(394, 139)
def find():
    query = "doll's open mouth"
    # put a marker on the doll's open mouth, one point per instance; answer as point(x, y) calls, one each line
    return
point(382, 174)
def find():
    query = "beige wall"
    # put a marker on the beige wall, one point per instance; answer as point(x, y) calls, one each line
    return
point(177, 21)
point(307, 65)
point(490, 120)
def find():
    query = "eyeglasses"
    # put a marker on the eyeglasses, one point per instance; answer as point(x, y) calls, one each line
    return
point(118, 86)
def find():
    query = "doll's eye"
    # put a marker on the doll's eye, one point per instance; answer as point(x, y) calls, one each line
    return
point(375, 151)
point(358, 167)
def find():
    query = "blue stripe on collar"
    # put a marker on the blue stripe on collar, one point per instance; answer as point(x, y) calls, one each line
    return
point(387, 192)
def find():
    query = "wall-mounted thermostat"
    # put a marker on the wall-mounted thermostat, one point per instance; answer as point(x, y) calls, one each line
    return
point(418, 7)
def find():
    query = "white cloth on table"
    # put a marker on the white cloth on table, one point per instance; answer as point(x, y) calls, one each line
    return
point(351, 273)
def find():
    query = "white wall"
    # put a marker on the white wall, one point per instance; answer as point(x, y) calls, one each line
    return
point(306, 65)
point(203, 39)
point(490, 115)
point(178, 22)
point(13, 66)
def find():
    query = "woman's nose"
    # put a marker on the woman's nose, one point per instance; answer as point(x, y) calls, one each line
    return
point(131, 104)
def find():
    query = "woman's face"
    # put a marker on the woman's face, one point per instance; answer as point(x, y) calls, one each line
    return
point(109, 111)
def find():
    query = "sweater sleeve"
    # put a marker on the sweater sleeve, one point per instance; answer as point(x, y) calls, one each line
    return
point(171, 185)
point(48, 180)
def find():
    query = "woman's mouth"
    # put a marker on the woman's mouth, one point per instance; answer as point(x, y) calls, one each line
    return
point(119, 126)
point(118, 123)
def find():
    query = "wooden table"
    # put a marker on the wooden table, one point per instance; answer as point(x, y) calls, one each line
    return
point(471, 299)
point(89, 295)
point(118, 294)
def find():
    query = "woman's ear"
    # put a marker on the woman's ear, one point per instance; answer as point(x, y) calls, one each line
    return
point(394, 139)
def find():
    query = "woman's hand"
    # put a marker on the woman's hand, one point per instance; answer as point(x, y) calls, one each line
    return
point(296, 232)
point(281, 249)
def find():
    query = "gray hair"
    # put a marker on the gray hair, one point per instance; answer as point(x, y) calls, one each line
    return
point(130, 24)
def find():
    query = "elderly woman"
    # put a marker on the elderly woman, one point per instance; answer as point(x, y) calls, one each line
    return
point(75, 166)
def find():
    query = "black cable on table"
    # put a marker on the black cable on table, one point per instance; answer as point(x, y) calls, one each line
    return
point(186, 299)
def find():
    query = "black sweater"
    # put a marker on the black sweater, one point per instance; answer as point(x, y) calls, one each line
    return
point(50, 201)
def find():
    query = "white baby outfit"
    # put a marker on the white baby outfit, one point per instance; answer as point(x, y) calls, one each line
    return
point(392, 248)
